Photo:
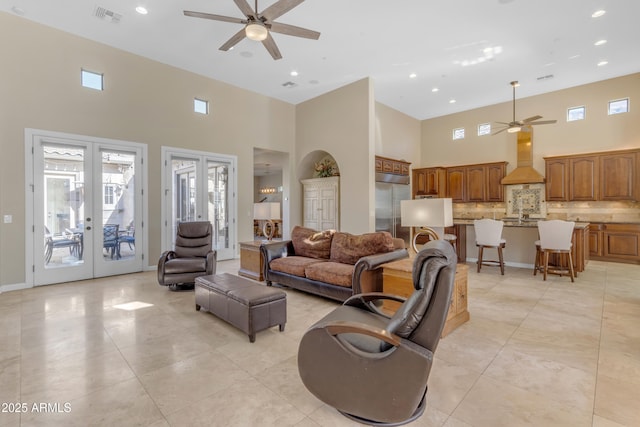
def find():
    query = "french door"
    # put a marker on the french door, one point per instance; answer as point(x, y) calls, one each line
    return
point(200, 186)
point(87, 207)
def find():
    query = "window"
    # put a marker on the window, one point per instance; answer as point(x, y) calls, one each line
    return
point(200, 106)
point(92, 80)
point(576, 113)
point(484, 129)
point(458, 133)
point(619, 106)
point(109, 195)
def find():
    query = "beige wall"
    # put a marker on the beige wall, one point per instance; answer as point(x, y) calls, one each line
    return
point(599, 132)
point(397, 135)
point(340, 123)
point(143, 101)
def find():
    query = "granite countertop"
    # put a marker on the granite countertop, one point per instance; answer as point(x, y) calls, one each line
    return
point(513, 222)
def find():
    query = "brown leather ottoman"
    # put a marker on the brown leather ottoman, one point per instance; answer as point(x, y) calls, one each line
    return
point(247, 305)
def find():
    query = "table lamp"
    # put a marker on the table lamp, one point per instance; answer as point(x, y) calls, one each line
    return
point(267, 212)
point(431, 216)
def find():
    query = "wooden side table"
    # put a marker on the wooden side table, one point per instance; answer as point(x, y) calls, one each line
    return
point(397, 280)
point(251, 262)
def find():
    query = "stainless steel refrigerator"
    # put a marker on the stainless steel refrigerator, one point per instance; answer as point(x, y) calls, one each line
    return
point(388, 198)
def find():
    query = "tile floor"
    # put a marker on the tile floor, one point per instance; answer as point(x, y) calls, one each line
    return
point(533, 354)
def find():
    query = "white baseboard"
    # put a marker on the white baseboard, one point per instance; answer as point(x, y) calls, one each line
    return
point(14, 287)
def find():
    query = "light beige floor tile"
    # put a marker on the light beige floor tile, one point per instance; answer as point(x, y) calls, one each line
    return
point(245, 403)
point(492, 403)
point(48, 380)
point(181, 384)
point(617, 400)
point(564, 384)
point(10, 370)
point(284, 379)
point(454, 422)
point(598, 421)
point(122, 404)
point(448, 384)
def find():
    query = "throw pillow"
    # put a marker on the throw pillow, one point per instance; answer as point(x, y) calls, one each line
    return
point(311, 243)
point(349, 248)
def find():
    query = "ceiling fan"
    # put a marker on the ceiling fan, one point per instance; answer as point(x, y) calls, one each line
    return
point(258, 26)
point(517, 125)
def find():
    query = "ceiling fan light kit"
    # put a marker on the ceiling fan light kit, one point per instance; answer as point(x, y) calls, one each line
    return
point(256, 32)
point(258, 26)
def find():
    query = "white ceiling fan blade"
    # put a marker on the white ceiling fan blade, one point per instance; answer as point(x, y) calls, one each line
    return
point(233, 40)
point(543, 122)
point(531, 119)
point(279, 8)
point(292, 30)
point(271, 47)
point(245, 8)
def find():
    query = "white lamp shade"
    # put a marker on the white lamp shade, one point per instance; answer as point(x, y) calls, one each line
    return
point(426, 213)
point(255, 31)
point(266, 211)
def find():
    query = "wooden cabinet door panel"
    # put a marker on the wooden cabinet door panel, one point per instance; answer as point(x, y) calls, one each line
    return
point(617, 172)
point(475, 183)
point(584, 178)
point(557, 176)
point(494, 175)
point(621, 245)
point(456, 184)
point(419, 182)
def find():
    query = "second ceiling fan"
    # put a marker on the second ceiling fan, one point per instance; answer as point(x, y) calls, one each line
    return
point(258, 26)
point(517, 125)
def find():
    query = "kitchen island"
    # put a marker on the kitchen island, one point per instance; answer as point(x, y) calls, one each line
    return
point(520, 236)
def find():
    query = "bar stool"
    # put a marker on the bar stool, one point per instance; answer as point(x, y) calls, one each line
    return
point(555, 237)
point(489, 235)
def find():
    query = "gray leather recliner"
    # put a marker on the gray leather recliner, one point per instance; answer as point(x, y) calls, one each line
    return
point(192, 256)
point(373, 367)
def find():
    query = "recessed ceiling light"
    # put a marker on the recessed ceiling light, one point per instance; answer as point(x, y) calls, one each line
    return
point(17, 10)
point(598, 13)
point(600, 42)
point(293, 73)
point(413, 75)
point(452, 101)
point(602, 63)
point(142, 10)
point(435, 89)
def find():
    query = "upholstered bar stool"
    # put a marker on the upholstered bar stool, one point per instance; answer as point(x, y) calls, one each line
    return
point(555, 237)
point(489, 235)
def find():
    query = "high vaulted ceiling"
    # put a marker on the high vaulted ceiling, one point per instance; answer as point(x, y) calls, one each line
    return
point(468, 49)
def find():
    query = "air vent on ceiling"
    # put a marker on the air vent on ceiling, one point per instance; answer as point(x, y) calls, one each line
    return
point(107, 15)
point(289, 84)
point(543, 78)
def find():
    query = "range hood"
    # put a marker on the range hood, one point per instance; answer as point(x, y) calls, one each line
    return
point(524, 173)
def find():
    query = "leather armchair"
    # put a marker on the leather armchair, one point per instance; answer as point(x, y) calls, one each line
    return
point(192, 256)
point(371, 366)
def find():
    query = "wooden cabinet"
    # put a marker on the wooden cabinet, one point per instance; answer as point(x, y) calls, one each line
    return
point(583, 178)
point(456, 184)
point(321, 203)
point(476, 185)
point(615, 242)
point(557, 177)
point(397, 280)
point(494, 174)
point(607, 176)
point(251, 262)
point(619, 176)
point(393, 166)
point(429, 181)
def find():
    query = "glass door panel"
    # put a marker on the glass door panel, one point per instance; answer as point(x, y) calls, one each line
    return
point(218, 204)
point(60, 208)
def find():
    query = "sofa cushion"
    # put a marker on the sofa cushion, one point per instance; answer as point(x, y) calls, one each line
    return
point(310, 243)
point(349, 248)
point(295, 265)
point(331, 272)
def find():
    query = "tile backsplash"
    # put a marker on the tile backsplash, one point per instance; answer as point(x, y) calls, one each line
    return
point(624, 212)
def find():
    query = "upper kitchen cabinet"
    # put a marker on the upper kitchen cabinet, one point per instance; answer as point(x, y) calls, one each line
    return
point(606, 176)
point(456, 184)
point(476, 183)
point(429, 182)
point(619, 176)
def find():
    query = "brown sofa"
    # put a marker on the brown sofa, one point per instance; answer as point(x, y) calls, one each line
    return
point(330, 263)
